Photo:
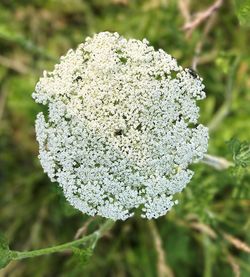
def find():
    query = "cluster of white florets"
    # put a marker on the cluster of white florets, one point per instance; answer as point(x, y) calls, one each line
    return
point(121, 127)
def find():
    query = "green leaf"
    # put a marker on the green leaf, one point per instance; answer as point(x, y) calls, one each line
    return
point(240, 151)
point(240, 172)
point(5, 258)
point(5, 253)
point(3, 242)
point(83, 255)
point(243, 12)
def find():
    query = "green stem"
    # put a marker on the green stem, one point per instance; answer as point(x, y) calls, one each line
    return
point(17, 255)
point(225, 108)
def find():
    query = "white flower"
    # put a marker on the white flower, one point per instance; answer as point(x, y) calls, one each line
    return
point(120, 131)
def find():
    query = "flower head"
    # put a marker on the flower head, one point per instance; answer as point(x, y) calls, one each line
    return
point(121, 128)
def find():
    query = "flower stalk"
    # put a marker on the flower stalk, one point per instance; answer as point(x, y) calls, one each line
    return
point(91, 239)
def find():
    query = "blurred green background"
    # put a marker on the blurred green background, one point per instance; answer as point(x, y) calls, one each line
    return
point(208, 233)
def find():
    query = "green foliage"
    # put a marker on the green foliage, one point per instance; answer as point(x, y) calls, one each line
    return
point(240, 151)
point(5, 253)
point(82, 256)
point(241, 155)
point(243, 11)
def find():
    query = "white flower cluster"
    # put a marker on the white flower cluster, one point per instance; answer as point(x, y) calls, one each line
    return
point(121, 127)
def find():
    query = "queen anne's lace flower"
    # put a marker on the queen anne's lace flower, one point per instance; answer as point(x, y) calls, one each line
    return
point(121, 127)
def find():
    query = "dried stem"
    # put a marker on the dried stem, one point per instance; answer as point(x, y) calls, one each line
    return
point(184, 9)
point(237, 243)
point(82, 231)
point(201, 17)
point(13, 65)
point(208, 27)
point(216, 162)
point(163, 269)
point(235, 266)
